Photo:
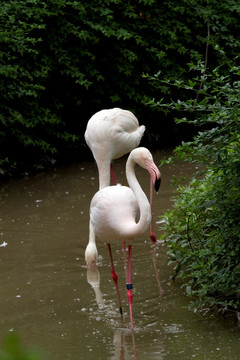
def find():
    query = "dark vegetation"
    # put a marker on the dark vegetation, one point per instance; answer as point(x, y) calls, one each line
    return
point(63, 60)
point(203, 228)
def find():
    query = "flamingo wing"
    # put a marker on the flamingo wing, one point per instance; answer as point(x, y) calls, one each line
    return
point(113, 133)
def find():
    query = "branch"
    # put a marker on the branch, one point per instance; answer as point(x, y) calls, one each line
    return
point(206, 59)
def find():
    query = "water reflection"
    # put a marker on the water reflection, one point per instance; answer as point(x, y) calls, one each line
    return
point(93, 278)
point(155, 254)
point(122, 345)
point(123, 348)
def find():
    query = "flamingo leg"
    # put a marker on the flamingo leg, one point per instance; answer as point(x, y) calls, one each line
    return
point(151, 232)
point(113, 175)
point(129, 293)
point(115, 278)
point(125, 261)
point(129, 284)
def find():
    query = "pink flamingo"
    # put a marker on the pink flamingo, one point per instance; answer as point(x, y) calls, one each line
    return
point(114, 210)
point(110, 134)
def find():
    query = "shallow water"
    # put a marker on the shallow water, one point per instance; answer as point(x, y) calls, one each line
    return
point(50, 299)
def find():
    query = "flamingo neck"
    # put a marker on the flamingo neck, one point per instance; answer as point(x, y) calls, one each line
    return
point(104, 173)
point(143, 203)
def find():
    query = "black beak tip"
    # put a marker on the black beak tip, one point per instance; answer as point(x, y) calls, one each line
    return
point(157, 184)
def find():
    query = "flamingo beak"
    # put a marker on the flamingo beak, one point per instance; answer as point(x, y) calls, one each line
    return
point(155, 175)
point(157, 183)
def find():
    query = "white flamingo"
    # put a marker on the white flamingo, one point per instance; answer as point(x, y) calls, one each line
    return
point(120, 213)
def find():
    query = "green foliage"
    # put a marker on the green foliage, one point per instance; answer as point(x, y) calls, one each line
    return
point(203, 228)
point(63, 60)
point(13, 350)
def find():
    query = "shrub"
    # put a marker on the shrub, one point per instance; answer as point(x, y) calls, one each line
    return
point(203, 228)
point(63, 60)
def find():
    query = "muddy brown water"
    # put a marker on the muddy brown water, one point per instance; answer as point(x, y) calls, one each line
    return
point(54, 303)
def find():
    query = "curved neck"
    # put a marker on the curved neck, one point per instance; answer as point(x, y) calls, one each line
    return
point(143, 203)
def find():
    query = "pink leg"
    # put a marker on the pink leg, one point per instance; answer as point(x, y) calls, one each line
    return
point(125, 261)
point(129, 284)
point(129, 293)
point(113, 175)
point(151, 233)
point(115, 278)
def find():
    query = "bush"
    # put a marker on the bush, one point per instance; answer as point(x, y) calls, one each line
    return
point(61, 61)
point(203, 228)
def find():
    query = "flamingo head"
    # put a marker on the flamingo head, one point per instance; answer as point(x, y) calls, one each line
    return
point(143, 157)
point(91, 255)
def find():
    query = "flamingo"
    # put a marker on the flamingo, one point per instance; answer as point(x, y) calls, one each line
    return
point(114, 210)
point(110, 134)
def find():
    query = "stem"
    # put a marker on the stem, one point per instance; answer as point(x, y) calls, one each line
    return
point(206, 59)
point(188, 237)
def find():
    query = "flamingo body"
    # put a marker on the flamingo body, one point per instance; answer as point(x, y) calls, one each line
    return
point(114, 212)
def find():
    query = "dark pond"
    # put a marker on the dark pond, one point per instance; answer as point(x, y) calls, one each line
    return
point(50, 299)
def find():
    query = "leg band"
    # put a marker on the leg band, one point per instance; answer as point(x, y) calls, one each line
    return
point(129, 286)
